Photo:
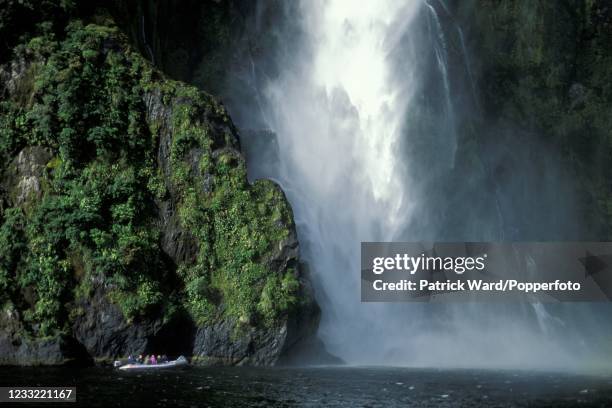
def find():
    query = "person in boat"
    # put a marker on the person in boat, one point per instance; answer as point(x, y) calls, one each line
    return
point(153, 359)
point(164, 358)
point(146, 360)
point(131, 359)
point(140, 359)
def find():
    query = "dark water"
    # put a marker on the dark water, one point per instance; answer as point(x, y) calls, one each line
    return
point(313, 387)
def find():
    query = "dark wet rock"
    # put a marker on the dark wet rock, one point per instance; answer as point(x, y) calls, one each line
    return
point(179, 244)
point(224, 344)
point(228, 342)
point(62, 350)
point(303, 323)
point(311, 351)
point(18, 348)
point(286, 254)
point(106, 334)
point(176, 242)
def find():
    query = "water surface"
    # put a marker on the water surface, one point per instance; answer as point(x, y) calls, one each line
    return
point(313, 387)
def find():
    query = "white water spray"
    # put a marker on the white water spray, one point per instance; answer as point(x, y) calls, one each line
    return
point(341, 107)
point(340, 117)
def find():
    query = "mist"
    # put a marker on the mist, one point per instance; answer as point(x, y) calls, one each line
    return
point(369, 119)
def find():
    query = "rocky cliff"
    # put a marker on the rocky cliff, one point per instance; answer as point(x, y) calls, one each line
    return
point(127, 224)
point(543, 70)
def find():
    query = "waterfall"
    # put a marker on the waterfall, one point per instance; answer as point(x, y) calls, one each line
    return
point(361, 102)
point(441, 53)
point(468, 66)
point(339, 116)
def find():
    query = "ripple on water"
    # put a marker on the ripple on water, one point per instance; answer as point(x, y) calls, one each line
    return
point(313, 387)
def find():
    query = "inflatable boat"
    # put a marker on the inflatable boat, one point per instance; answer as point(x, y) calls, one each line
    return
point(179, 362)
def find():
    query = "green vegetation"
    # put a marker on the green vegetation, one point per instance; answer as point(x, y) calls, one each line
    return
point(94, 222)
point(236, 225)
point(546, 66)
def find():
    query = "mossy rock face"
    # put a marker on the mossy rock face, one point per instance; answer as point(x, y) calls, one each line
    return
point(142, 203)
point(544, 68)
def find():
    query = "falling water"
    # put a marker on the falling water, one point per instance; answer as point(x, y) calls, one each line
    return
point(346, 103)
point(441, 52)
point(340, 115)
point(468, 65)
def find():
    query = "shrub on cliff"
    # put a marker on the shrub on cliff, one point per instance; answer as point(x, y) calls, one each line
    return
point(95, 218)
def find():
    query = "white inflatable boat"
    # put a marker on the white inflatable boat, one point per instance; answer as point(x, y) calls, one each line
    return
point(181, 361)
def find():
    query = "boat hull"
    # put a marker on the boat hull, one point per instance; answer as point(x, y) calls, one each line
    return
point(144, 367)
